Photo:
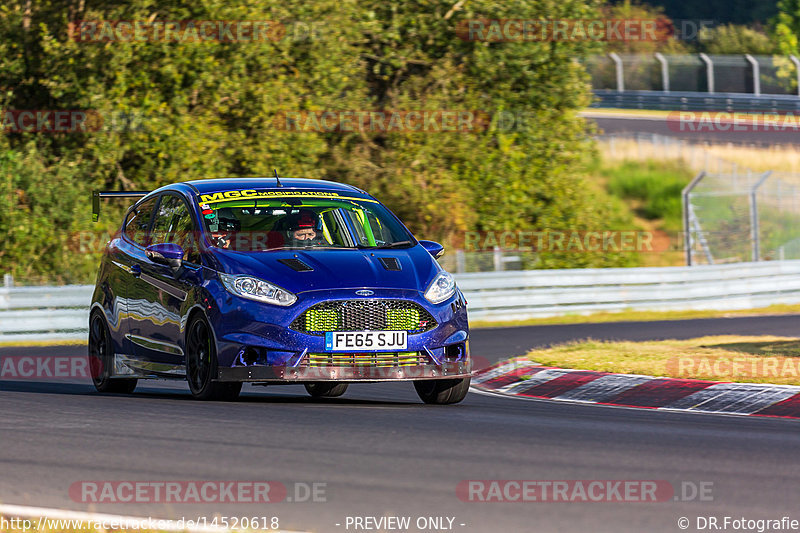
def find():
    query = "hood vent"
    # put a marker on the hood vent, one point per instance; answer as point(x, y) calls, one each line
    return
point(296, 265)
point(390, 263)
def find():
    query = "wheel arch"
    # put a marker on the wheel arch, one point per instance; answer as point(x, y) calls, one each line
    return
point(195, 311)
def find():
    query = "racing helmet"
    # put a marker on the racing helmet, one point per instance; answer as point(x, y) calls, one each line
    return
point(304, 219)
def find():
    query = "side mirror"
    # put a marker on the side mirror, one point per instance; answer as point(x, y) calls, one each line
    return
point(165, 254)
point(434, 248)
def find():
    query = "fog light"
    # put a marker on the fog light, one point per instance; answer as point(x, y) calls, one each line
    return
point(248, 356)
point(454, 352)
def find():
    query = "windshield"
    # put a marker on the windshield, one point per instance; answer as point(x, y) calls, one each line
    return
point(270, 220)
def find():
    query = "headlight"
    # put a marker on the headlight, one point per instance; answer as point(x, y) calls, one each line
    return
point(257, 289)
point(441, 288)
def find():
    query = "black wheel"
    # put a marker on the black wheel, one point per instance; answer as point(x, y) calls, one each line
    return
point(101, 359)
point(442, 391)
point(201, 365)
point(326, 390)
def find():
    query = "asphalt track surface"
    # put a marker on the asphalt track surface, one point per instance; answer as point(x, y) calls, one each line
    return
point(662, 126)
point(381, 452)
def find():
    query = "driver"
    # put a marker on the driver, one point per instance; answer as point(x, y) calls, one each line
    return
point(224, 231)
point(304, 228)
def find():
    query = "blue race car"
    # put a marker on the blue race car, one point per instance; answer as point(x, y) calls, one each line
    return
point(226, 281)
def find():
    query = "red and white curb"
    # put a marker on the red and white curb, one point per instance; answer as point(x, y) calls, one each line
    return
point(523, 378)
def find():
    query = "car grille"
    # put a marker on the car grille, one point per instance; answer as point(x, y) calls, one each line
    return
point(364, 315)
point(373, 360)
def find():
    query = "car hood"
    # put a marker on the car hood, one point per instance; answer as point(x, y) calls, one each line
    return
point(334, 269)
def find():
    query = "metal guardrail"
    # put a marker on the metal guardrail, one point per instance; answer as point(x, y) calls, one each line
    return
point(708, 73)
point(695, 101)
point(500, 296)
point(56, 313)
point(44, 313)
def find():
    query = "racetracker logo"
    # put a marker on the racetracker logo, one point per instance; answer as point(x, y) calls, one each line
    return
point(48, 367)
point(183, 31)
point(720, 368)
point(583, 241)
point(386, 121)
point(189, 492)
point(735, 122)
point(582, 491)
point(546, 30)
point(50, 121)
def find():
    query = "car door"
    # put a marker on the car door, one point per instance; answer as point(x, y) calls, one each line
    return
point(127, 252)
point(162, 291)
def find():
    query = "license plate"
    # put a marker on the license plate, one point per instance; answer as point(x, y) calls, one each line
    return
point(367, 341)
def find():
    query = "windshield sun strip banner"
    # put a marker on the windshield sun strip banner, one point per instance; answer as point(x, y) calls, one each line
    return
point(249, 194)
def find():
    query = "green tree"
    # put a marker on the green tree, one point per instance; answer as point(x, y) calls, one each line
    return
point(736, 39)
point(786, 26)
point(213, 109)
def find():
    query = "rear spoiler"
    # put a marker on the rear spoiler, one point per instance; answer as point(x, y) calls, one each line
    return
point(96, 195)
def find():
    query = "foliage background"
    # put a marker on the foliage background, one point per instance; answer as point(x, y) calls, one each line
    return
point(208, 111)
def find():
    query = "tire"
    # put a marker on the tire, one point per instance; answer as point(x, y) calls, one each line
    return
point(101, 359)
point(326, 390)
point(442, 391)
point(201, 365)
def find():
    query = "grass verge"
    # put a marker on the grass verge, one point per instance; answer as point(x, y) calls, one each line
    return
point(764, 359)
point(73, 342)
point(632, 113)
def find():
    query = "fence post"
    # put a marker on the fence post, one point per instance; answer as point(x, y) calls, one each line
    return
point(461, 263)
point(756, 74)
point(709, 72)
point(620, 72)
point(8, 281)
point(754, 229)
point(687, 228)
point(797, 66)
point(497, 256)
point(664, 71)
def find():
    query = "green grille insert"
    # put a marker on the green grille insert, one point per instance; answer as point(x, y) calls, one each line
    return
point(322, 320)
point(379, 360)
point(399, 319)
point(364, 315)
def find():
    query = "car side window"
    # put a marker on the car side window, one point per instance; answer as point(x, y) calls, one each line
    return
point(173, 223)
point(138, 224)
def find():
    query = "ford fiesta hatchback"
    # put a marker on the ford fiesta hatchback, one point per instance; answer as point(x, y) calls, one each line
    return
point(269, 281)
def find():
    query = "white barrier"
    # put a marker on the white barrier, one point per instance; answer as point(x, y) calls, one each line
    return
point(499, 296)
point(43, 313)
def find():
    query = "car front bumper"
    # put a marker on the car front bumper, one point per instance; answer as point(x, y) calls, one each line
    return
point(285, 374)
